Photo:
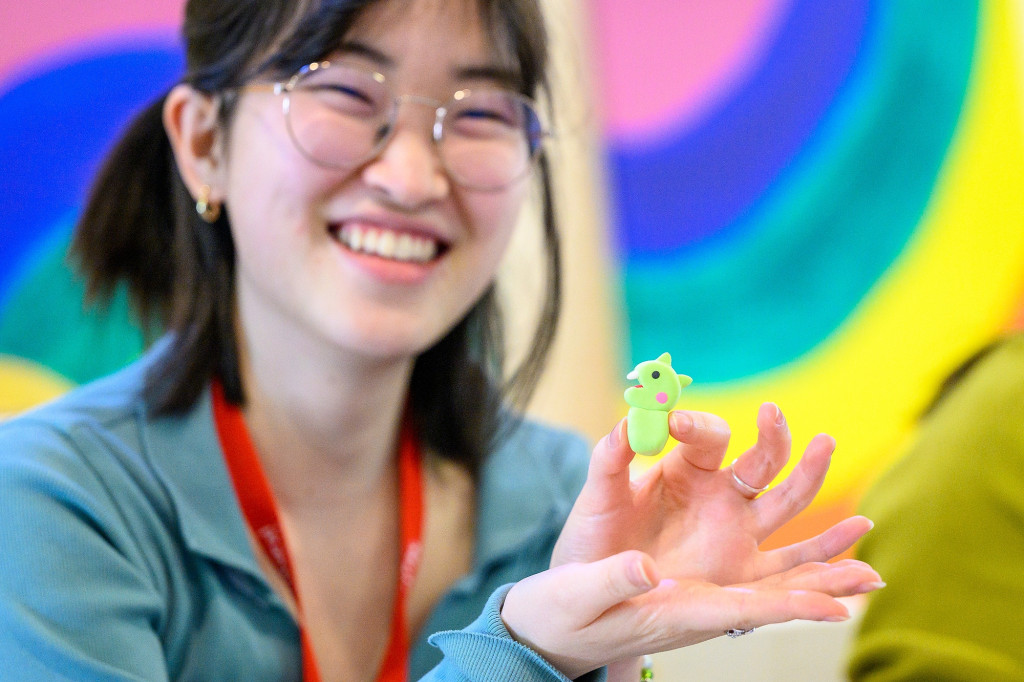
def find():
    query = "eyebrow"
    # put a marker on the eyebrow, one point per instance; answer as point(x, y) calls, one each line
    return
point(505, 76)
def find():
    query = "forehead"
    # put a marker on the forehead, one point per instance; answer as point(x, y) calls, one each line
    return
point(438, 33)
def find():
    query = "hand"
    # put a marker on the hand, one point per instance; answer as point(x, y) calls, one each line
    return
point(582, 616)
point(691, 516)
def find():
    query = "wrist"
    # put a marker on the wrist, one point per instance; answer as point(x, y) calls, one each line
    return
point(628, 670)
point(517, 618)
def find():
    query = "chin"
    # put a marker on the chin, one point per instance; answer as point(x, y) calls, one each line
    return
point(388, 342)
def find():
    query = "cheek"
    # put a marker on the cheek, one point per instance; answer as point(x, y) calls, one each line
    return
point(273, 209)
point(494, 217)
point(266, 176)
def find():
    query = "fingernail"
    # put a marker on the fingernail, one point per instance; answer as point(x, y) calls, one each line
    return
point(613, 437)
point(682, 421)
point(780, 418)
point(870, 587)
point(836, 619)
point(640, 576)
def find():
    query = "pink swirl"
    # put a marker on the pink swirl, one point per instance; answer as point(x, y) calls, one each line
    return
point(665, 63)
point(46, 27)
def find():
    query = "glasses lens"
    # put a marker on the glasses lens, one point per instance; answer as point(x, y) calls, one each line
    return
point(489, 138)
point(337, 115)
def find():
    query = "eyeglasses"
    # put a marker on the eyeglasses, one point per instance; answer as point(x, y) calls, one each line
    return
point(340, 116)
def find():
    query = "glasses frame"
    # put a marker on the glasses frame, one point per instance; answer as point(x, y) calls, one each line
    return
point(285, 88)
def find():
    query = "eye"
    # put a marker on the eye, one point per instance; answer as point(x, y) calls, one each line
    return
point(486, 113)
point(346, 98)
point(655, 374)
point(341, 89)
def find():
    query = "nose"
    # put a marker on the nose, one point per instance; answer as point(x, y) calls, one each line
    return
point(408, 169)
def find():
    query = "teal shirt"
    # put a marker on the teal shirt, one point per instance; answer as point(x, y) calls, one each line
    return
point(124, 555)
point(949, 539)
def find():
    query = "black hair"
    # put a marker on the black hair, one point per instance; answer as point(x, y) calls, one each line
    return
point(140, 228)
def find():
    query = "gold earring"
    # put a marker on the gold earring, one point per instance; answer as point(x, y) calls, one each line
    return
point(207, 210)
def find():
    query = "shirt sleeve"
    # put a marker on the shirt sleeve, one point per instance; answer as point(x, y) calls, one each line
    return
point(484, 651)
point(74, 604)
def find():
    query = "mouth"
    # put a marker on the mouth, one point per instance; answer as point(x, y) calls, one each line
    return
point(388, 244)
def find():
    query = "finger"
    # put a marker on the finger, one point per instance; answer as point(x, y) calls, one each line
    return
point(611, 456)
point(606, 583)
point(590, 589)
point(609, 462)
point(684, 612)
point(703, 439)
point(823, 547)
point(554, 612)
point(796, 491)
point(758, 466)
point(839, 579)
point(743, 608)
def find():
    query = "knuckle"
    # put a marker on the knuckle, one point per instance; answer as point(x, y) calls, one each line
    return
point(711, 425)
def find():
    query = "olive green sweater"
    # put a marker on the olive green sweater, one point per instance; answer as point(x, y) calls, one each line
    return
point(949, 538)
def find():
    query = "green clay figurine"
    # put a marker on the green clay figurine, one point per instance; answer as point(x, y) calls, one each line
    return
point(649, 403)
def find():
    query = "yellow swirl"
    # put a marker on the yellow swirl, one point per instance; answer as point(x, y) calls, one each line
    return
point(25, 384)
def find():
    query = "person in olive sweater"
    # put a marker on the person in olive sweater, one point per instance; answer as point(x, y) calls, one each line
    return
point(949, 535)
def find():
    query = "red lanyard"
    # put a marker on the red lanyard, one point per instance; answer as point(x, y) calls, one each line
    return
point(260, 511)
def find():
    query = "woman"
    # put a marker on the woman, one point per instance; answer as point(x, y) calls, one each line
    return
point(315, 470)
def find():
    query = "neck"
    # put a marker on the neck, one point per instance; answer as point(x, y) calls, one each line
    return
point(326, 425)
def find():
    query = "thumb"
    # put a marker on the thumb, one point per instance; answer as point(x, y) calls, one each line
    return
point(550, 612)
point(600, 585)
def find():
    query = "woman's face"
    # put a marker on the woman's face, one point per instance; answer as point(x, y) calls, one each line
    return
point(297, 279)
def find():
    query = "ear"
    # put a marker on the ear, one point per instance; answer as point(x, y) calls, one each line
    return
point(191, 119)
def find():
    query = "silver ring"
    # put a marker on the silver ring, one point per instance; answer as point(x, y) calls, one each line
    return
point(737, 632)
point(743, 484)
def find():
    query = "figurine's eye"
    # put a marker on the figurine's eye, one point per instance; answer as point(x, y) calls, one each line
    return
point(655, 374)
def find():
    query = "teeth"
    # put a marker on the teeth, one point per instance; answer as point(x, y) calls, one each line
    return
point(387, 244)
point(403, 249)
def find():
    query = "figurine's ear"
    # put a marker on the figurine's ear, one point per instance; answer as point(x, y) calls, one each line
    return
point(665, 359)
point(684, 381)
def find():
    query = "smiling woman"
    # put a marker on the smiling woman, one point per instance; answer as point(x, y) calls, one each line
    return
point(319, 471)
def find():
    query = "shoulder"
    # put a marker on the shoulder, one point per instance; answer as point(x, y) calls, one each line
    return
point(966, 457)
point(527, 488)
point(83, 454)
point(992, 388)
point(547, 459)
point(976, 428)
point(105, 409)
point(102, 404)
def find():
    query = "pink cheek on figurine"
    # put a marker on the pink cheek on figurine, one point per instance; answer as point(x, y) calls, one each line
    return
point(662, 397)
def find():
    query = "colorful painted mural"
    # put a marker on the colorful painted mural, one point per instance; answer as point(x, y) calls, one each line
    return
point(817, 203)
point(70, 78)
